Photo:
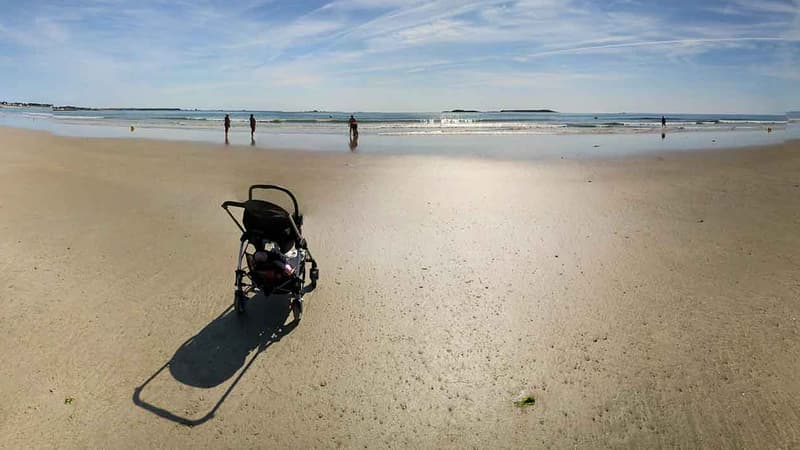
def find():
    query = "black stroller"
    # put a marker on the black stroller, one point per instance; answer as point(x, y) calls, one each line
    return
point(273, 247)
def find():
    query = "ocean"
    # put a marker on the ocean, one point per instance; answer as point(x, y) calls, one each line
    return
point(381, 123)
point(484, 133)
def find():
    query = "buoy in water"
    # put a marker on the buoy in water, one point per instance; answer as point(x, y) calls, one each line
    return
point(132, 128)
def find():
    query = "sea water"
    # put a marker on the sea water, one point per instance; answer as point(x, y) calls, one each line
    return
point(517, 134)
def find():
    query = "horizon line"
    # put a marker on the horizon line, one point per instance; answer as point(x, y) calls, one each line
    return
point(16, 104)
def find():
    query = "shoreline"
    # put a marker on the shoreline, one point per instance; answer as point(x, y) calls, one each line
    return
point(645, 301)
point(544, 152)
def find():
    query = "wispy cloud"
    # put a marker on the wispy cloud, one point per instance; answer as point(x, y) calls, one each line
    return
point(745, 7)
point(667, 43)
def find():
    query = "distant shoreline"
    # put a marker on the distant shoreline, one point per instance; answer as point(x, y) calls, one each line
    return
point(504, 111)
point(62, 108)
point(78, 108)
point(24, 105)
point(81, 108)
point(528, 111)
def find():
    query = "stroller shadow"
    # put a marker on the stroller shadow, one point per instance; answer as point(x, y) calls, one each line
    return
point(220, 350)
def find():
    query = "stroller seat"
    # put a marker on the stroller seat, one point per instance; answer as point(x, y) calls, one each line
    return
point(267, 221)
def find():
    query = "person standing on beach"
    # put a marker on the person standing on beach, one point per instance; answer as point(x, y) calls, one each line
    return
point(227, 126)
point(663, 121)
point(252, 127)
point(353, 127)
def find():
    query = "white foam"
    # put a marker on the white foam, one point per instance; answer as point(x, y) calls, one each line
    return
point(37, 115)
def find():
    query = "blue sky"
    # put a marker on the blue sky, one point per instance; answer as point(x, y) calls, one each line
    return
point(405, 55)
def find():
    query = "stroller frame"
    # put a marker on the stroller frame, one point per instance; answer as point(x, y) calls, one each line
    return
point(247, 285)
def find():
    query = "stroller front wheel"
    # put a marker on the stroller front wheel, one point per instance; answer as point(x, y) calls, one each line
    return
point(297, 308)
point(239, 302)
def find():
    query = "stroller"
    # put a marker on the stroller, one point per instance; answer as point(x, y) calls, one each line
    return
point(274, 250)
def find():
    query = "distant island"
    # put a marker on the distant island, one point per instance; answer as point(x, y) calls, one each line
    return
point(463, 111)
point(527, 111)
point(83, 108)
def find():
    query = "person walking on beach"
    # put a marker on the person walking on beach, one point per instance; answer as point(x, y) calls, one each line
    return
point(663, 121)
point(353, 127)
point(252, 127)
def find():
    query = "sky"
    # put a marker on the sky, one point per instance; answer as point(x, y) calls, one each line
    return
point(405, 55)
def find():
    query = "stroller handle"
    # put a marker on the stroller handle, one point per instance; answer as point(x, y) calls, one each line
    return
point(277, 188)
point(232, 203)
point(227, 205)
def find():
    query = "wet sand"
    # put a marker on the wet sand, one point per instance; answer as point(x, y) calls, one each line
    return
point(644, 302)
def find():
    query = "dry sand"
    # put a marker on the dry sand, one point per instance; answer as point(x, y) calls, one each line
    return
point(644, 302)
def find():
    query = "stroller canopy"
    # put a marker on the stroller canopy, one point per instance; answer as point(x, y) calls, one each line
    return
point(269, 221)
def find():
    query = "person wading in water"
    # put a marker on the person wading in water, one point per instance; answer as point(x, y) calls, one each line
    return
point(353, 128)
point(227, 126)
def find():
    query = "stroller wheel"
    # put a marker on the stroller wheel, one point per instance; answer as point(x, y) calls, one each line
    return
point(239, 302)
point(314, 273)
point(297, 308)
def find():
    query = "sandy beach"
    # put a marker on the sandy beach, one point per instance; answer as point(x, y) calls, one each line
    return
point(647, 301)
